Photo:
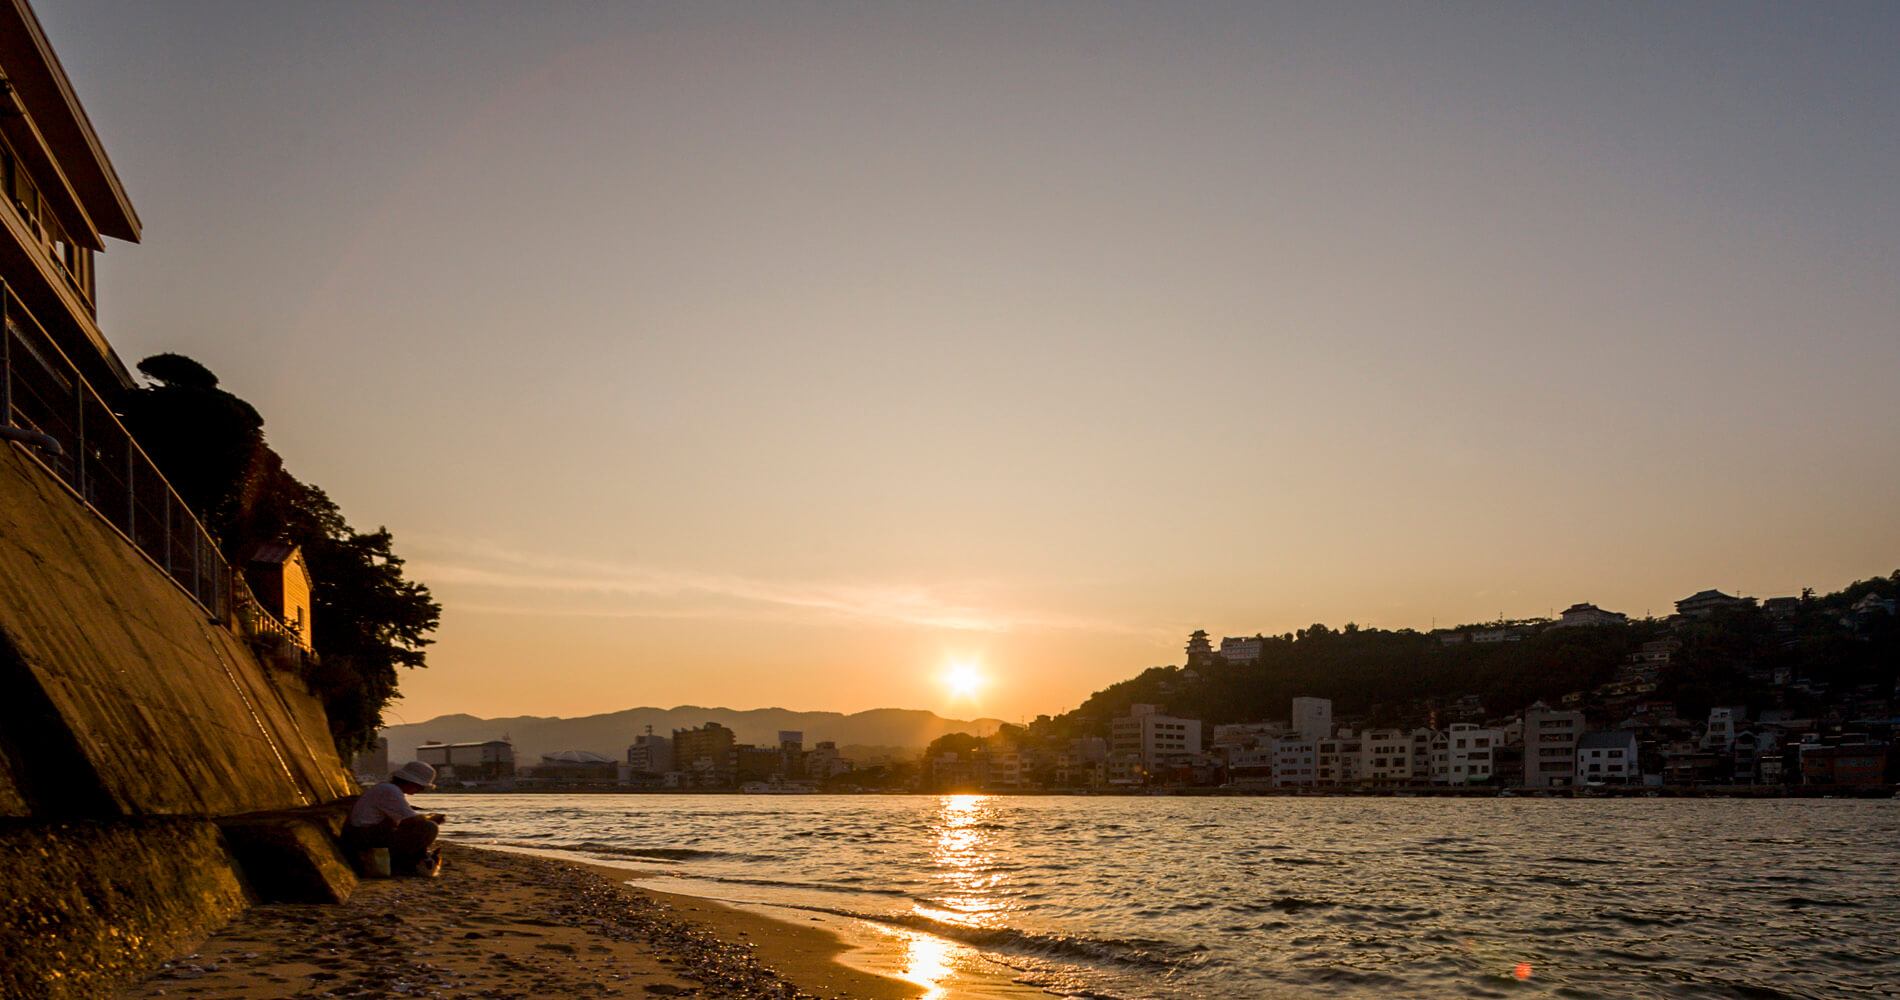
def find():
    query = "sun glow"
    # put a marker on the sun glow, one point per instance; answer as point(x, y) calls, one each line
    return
point(964, 679)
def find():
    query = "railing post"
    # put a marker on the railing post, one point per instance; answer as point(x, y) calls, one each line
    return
point(6, 356)
point(79, 439)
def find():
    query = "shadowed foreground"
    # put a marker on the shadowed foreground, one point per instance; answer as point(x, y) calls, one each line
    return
point(495, 926)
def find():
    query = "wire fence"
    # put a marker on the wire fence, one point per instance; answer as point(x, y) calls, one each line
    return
point(83, 443)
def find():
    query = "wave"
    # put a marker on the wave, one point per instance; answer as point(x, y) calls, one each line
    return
point(672, 855)
point(1141, 953)
point(773, 883)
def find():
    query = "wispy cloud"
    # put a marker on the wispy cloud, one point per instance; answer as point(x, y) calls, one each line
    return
point(613, 590)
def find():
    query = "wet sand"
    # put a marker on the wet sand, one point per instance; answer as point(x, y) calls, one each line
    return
point(501, 926)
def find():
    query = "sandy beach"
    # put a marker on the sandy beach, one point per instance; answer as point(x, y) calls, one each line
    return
point(500, 926)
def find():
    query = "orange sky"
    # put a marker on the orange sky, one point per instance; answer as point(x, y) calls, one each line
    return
point(782, 355)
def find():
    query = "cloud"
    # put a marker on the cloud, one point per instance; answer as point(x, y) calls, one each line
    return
point(612, 590)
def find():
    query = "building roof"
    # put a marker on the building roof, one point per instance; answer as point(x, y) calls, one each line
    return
point(271, 552)
point(90, 201)
point(1605, 740)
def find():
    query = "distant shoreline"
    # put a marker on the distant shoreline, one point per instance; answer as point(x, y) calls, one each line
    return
point(1606, 792)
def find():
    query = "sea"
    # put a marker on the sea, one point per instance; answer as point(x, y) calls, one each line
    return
point(1172, 898)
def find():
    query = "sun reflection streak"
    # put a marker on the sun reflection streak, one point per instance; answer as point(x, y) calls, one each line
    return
point(927, 963)
point(966, 861)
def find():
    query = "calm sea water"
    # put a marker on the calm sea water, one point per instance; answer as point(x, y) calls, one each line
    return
point(1174, 898)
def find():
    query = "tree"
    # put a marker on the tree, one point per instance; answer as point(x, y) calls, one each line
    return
point(207, 442)
point(368, 619)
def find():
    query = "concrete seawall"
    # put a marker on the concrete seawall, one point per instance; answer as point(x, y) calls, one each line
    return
point(129, 725)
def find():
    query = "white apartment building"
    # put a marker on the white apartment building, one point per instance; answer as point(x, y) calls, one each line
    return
point(1293, 763)
point(1242, 650)
point(1336, 761)
point(1147, 736)
point(1465, 754)
point(1608, 759)
point(1550, 746)
point(1721, 732)
point(1313, 718)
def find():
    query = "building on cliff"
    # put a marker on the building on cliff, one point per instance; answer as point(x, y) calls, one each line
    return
point(155, 776)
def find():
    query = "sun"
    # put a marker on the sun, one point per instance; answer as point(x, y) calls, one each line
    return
point(964, 679)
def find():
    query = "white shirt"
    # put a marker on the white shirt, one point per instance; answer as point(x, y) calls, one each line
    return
point(384, 801)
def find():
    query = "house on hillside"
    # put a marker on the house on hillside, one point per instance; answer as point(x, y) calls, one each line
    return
point(280, 580)
point(1708, 602)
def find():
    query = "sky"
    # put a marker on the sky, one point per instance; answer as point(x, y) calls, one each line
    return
point(788, 354)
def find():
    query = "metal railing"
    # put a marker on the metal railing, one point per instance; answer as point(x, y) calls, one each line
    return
point(42, 391)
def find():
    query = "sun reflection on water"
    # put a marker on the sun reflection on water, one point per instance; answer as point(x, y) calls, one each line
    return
point(964, 855)
point(969, 890)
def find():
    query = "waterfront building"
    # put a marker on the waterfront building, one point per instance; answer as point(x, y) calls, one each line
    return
point(1465, 754)
point(1294, 763)
point(1385, 758)
point(823, 761)
point(1720, 734)
point(650, 754)
point(1608, 758)
point(1150, 737)
point(1336, 760)
point(486, 762)
point(1846, 764)
point(1550, 746)
point(707, 756)
point(1313, 718)
point(1421, 755)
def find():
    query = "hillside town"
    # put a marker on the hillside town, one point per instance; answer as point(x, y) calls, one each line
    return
point(1622, 735)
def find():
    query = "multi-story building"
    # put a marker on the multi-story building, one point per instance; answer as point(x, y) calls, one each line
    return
point(1608, 759)
point(650, 754)
point(1313, 718)
point(62, 199)
point(1385, 758)
point(1720, 734)
point(707, 755)
point(1294, 762)
point(486, 762)
point(1149, 737)
point(1708, 602)
point(1589, 614)
point(1550, 746)
point(1336, 760)
point(1239, 649)
point(1465, 754)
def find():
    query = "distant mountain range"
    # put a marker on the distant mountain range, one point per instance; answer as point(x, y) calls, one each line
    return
point(893, 731)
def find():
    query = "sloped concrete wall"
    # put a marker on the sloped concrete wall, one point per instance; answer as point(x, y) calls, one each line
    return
point(120, 697)
point(130, 725)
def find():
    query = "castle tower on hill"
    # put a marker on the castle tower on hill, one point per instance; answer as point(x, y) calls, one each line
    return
point(1200, 652)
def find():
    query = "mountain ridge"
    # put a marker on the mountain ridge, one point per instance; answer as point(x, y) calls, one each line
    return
point(610, 733)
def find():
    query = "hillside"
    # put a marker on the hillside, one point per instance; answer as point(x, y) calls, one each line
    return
point(892, 730)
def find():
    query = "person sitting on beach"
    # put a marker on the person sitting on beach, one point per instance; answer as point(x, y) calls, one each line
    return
point(383, 817)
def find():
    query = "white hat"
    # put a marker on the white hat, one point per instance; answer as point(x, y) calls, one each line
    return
point(416, 773)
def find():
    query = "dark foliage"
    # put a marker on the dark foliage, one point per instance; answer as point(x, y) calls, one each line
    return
point(208, 443)
point(1390, 676)
point(367, 618)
